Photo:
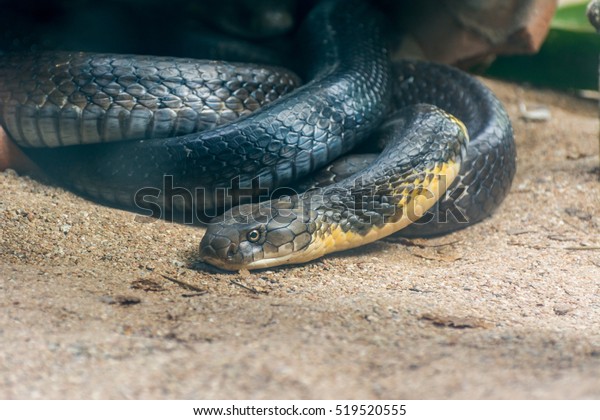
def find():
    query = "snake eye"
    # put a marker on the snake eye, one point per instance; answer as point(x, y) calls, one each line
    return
point(253, 235)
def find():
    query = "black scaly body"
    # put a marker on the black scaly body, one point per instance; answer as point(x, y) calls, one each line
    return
point(490, 165)
point(346, 98)
point(424, 148)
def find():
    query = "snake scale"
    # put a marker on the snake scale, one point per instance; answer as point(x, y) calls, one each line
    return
point(253, 141)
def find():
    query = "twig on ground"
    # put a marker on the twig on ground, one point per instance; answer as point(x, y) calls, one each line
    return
point(186, 286)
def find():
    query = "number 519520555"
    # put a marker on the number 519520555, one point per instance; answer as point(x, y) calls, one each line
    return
point(370, 409)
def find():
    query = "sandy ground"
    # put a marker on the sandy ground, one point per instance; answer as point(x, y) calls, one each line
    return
point(98, 305)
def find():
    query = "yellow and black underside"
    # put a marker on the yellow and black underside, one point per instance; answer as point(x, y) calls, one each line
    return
point(422, 158)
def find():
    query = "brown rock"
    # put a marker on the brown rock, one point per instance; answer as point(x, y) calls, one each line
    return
point(467, 32)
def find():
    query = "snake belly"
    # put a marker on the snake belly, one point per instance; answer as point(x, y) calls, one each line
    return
point(346, 97)
point(490, 165)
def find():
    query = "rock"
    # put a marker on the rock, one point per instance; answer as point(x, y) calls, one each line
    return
point(467, 32)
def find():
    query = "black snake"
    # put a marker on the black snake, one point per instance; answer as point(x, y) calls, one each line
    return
point(61, 99)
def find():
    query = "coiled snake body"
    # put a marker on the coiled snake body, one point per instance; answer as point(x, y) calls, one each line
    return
point(71, 99)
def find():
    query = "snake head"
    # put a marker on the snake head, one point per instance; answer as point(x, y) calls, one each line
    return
point(257, 235)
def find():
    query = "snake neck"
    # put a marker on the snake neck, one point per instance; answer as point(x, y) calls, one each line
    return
point(347, 219)
point(411, 175)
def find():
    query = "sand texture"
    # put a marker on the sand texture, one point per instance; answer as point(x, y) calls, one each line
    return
point(98, 305)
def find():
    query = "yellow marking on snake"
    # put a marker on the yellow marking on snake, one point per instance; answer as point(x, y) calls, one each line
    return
point(335, 239)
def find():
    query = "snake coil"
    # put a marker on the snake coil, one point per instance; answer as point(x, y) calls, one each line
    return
point(69, 100)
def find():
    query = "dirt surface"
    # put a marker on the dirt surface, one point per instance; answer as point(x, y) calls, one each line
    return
point(98, 305)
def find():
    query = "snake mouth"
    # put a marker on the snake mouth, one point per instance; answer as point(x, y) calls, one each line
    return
point(218, 250)
point(207, 254)
point(227, 258)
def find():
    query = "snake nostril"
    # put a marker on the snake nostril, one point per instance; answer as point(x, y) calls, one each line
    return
point(231, 251)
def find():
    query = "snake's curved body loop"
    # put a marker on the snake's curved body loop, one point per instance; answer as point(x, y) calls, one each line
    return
point(347, 96)
point(55, 98)
point(424, 149)
point(348, 92)
point(490, 164)
point(489, 167)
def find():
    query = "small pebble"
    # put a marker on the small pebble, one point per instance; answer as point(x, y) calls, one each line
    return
point(562, 309)
point(535, 113)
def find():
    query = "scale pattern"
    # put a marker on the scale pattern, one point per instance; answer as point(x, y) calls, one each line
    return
point(424, 149)
point(490, 165)
point(55, 99)
point(346, 98)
